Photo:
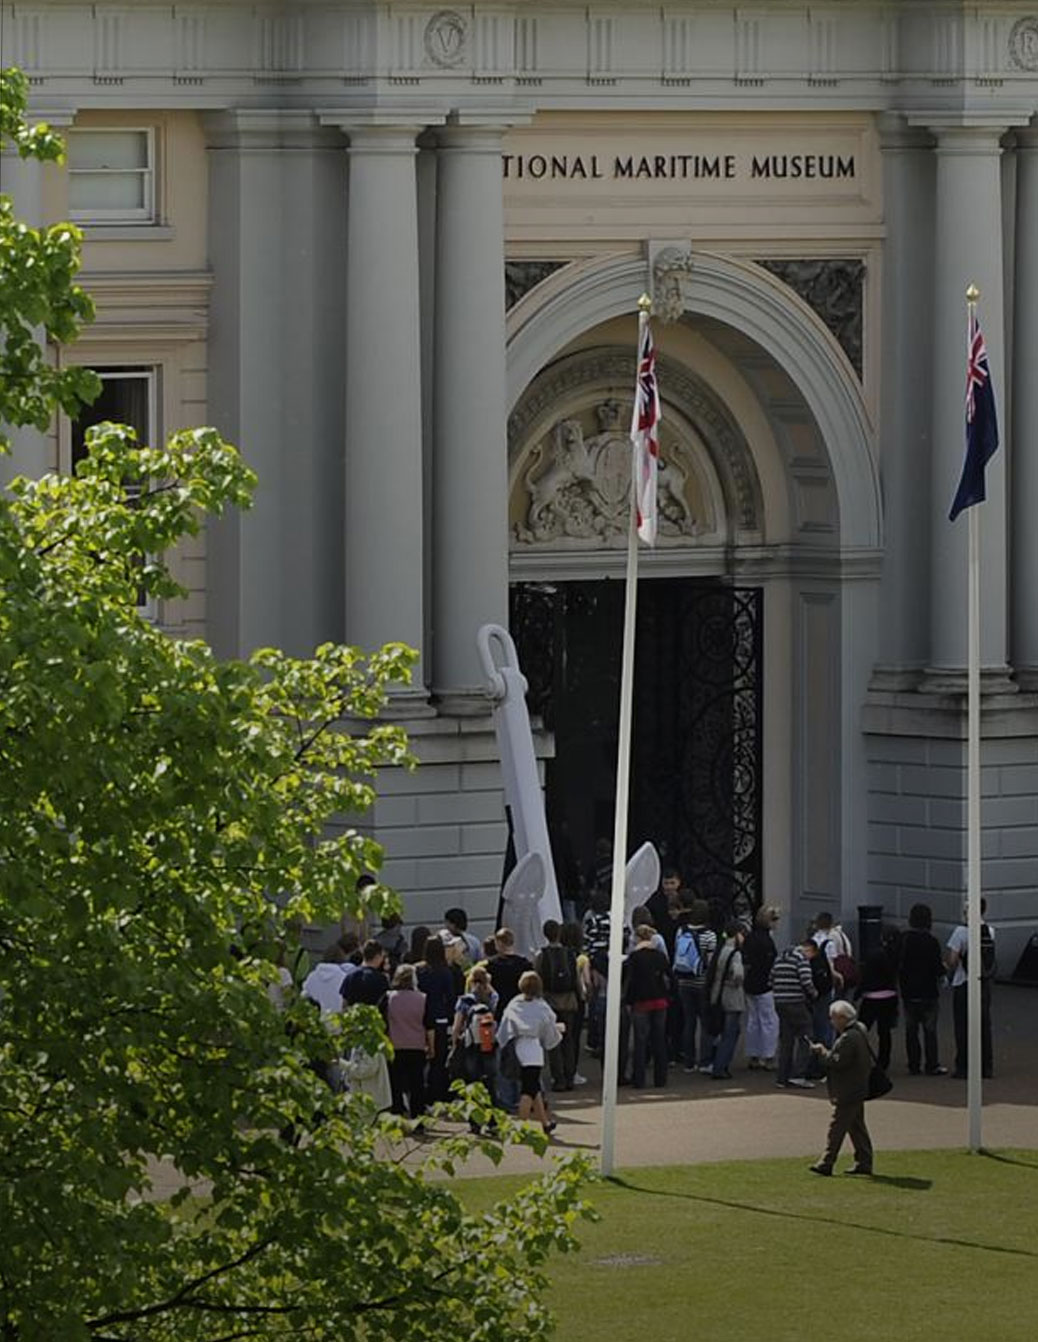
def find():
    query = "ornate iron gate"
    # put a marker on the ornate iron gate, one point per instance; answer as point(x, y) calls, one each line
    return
point(696, 776)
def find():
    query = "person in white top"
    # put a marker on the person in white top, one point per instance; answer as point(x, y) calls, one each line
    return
point(955, 958)
point(530, 1021)
point(323, 984)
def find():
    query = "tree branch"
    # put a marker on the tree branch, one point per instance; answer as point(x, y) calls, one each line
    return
point(182, 1298)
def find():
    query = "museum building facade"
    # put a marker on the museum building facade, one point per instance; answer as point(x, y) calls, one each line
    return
point(394, 251)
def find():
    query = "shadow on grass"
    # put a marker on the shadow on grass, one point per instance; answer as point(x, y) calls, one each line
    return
point(1010, 1160)
point(902, 1181)
point(916, 1185)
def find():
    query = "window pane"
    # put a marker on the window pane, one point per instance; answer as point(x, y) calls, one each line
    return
point(107, 149)
point(123, 400)
point(121, 191)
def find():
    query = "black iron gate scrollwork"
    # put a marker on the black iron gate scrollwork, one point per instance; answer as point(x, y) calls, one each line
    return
point(696, 754)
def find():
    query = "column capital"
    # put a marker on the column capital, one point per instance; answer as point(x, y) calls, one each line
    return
point(379, 130)
point(262, 129)
point(954, 135)
point(479, 130)
point(1026, 137)
point(896, 132)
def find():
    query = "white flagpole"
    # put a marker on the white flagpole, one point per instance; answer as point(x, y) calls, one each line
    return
point(973, 965)
point(611, 1059)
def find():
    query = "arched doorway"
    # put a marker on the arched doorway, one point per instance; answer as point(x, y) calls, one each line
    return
point(769, 551)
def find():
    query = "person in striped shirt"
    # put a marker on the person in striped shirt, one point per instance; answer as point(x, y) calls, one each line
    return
point(795, 992)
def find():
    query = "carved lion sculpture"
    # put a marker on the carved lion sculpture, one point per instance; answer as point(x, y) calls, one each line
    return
point(671, 499)
point(568, 464)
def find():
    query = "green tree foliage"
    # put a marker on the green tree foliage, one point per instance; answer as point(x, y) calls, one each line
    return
point(37, 289)
point(152, 800)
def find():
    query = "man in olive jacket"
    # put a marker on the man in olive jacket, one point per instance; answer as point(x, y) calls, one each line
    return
point(847, 1066)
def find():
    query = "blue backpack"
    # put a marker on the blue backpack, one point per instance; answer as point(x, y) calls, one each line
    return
point(687, 957)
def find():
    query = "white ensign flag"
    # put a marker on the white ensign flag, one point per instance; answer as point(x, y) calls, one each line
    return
point(645, 433)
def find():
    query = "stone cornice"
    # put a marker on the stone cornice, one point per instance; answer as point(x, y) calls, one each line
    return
point(916, 54)
point(170, 306)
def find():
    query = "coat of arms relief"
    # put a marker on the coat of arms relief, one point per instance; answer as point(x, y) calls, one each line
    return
point(574, 488)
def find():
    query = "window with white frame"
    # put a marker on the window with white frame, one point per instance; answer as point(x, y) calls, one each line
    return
point(111, 176)
point(128, 396)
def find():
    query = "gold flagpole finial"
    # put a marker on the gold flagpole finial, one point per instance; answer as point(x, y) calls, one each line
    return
point(972, 294)
point(645, 303)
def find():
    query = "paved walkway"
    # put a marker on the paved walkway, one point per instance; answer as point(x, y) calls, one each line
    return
point(696, 1119)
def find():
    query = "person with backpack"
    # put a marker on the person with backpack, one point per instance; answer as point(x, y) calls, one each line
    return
point(557, 966)
point(825, 980)
point(758, 955)
point(956, 955)
point(474, 1033)
point(694, 945)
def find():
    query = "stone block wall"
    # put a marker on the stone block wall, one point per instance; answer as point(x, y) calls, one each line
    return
point(917, 822)
point(443, 825)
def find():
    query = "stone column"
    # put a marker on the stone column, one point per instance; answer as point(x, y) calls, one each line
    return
point(384, 524)
point(277, 241)
point(908, 185)
point(470, 468)
point(968, 250)
point(1024, 529)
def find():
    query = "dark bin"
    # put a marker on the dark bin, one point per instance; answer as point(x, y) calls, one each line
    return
point(870, 930)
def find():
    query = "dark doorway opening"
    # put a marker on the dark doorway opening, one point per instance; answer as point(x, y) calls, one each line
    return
point(696, 753)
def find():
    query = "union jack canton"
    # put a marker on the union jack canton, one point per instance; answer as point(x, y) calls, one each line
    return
point(981, 422)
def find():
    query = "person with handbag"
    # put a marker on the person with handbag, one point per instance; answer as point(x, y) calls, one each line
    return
point(847, 1066)
point(531, 1023)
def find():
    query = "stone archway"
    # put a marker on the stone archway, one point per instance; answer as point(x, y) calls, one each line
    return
point(750, 301)
point(819, 570)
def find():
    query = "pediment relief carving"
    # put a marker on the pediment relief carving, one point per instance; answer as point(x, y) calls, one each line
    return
point(575, 485)
point(569, 452)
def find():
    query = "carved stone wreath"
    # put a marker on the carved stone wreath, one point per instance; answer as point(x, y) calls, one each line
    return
point(1023, 43)
point(445, 40)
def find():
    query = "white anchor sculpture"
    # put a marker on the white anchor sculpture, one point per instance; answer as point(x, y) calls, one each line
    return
point(530, 893)
point(641, 879)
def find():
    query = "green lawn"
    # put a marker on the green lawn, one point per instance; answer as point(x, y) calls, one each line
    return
point(940, 1245)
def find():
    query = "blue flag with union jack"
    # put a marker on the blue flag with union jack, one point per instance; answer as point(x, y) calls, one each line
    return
point(981, 422)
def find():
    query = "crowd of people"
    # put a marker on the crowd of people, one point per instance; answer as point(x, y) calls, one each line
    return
point(456, 1008)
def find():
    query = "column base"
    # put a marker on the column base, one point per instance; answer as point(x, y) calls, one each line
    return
point(953, 680)
point(1027, 679)
point(407, 703)
point(463, 703)
point(895, 679)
